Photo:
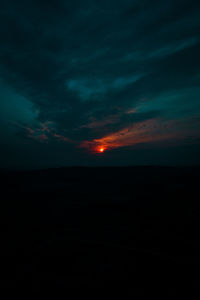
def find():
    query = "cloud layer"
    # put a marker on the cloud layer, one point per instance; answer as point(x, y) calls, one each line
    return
point(84, 73)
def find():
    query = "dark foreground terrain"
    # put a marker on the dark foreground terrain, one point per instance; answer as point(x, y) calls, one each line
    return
point(137, 228)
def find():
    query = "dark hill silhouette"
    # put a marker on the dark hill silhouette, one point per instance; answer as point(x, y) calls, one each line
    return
point(133, 227)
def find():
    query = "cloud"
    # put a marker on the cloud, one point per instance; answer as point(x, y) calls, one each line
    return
point(150, 131)
point(79, 71)
point(99, 124)
point(61, 138)
point(46, 132)
point(89, 88)
point(142, 132)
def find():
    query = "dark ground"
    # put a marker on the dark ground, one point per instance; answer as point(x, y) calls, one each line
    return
point(135, 228)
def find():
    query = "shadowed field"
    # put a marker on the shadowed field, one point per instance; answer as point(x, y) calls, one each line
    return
point(135, 227)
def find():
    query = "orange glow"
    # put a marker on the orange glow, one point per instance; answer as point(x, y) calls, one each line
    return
point(148, 131)
point(101, 149)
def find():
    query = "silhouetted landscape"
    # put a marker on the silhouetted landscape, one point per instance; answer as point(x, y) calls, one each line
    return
point(130, 227)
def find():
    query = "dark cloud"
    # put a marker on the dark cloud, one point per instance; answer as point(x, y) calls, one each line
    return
point(94, 68)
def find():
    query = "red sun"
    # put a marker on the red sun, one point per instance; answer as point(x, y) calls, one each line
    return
point(101, 149)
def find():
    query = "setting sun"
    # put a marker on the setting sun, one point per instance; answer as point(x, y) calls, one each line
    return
point(101, 149)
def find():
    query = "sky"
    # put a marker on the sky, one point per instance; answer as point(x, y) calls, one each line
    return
point(99, 83)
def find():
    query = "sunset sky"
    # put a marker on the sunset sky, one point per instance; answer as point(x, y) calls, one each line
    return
point(80, 76)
